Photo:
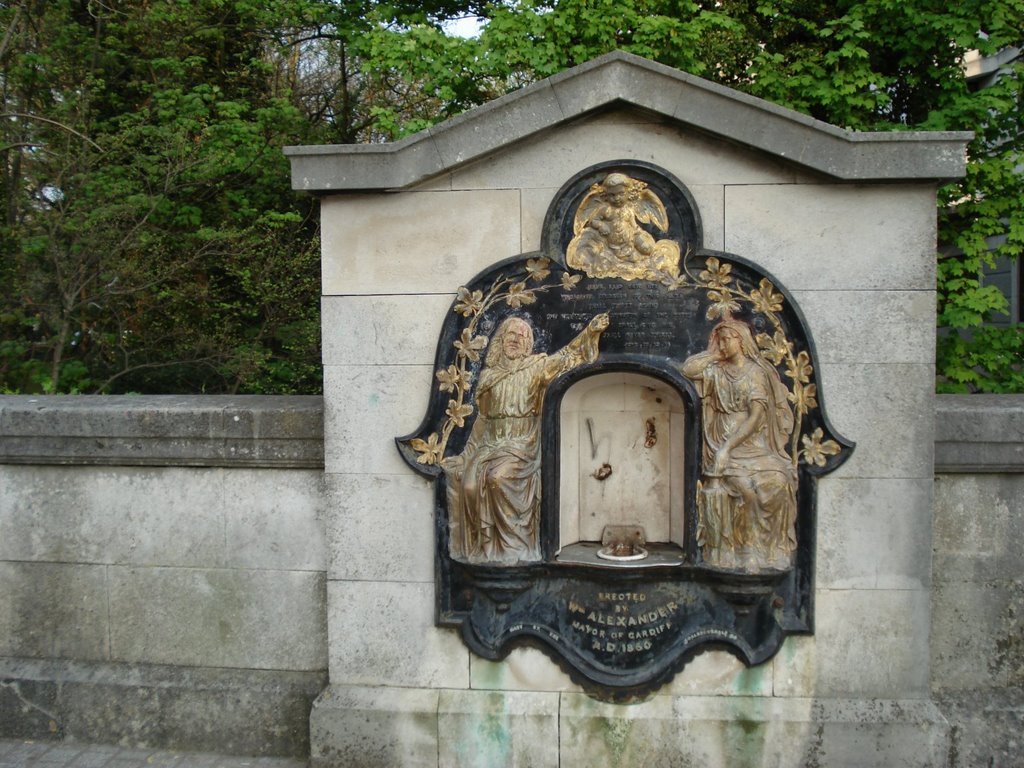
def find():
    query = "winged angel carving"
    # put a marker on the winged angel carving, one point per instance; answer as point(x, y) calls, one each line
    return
point(609, 240)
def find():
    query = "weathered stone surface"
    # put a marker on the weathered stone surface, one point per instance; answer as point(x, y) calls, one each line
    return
point(356, 727)
point(524, 669)
point(710, 201)
point(822, 237)
point(383, 633)
point(870, 326)
point(162, 430)
point(273, 520)
point(384, 330)
point(888, 411)
point(381, 528)
point(732, 731)
point(245, 712)
point(553, 158)
point(127, 515)
point(874, 534)
point(867, 644)
point(534, 207)
point(719, 673)
point(53, 610)
point(419, 727)
point(484, 729)
point(979, 525)
point(216, 617)
point(366, 408)
point(417, 242)
point(979, 433)
point(986, 727)
point(978, 635)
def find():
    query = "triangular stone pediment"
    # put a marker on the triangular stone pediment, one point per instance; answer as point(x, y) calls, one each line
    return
point(622, 80)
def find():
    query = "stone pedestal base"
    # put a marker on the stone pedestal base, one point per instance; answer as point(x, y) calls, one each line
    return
point(356, 726)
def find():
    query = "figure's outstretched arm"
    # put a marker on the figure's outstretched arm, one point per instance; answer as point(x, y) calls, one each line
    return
point(582, 349)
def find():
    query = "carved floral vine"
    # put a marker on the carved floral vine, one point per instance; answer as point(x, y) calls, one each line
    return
point(726, 296)
point(458, 378)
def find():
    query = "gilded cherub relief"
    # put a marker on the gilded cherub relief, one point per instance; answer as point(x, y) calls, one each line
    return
point(609, 240)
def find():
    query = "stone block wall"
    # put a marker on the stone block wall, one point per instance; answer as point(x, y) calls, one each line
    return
point(858, 260)
point(184, 606)
point(977, 647)
point(162, 562)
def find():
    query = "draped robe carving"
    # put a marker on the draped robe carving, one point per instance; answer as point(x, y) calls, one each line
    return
point(494, 486)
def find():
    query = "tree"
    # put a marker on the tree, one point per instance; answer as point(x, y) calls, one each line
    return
point(149, 239)
point(860, 64)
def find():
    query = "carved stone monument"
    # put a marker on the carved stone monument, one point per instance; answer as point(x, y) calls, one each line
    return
point(624, 611)
point(615, 303)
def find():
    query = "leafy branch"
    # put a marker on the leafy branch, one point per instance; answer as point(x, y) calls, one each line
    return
point(458, 377)
point(726, 296)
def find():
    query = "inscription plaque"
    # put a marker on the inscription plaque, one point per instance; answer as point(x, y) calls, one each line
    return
point(623, 285)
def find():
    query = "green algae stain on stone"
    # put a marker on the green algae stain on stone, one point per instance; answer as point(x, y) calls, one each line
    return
point(488, 674)
point(617, 736)
point(486, 737)
point(745, 734)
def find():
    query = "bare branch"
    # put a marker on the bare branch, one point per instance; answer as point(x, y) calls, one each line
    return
point(208, 360)
point(69, 129)
point(9, 34)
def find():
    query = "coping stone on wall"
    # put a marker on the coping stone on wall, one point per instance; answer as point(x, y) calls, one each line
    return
point(230, 711)
point(618, 80)
point(979, 433)
point(163, 430)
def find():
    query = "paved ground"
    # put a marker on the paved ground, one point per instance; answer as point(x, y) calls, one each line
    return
point(54, 754)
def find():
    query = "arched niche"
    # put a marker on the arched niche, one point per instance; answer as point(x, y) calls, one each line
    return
point(621, 458)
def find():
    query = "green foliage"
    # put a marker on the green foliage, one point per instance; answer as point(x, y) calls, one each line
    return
point(149, 241)
point(860, 64)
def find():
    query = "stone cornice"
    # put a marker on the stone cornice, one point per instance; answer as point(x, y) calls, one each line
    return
point(974, 433)
point(163, 430)
point(622, 80)
point(979, 433)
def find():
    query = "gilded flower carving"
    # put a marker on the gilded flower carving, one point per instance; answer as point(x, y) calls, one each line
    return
point(469, 346)
point(467, 303)
point(803, 397)
point(570, 281)
point(815, 451)
point(799, 368)
point(775, 348)
point(453, 379)
point(723, 304)
point(716, 274)
point(458, 412)
point(538, 268)
point(429, 450)
point(519, 295)
point(764, 298)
